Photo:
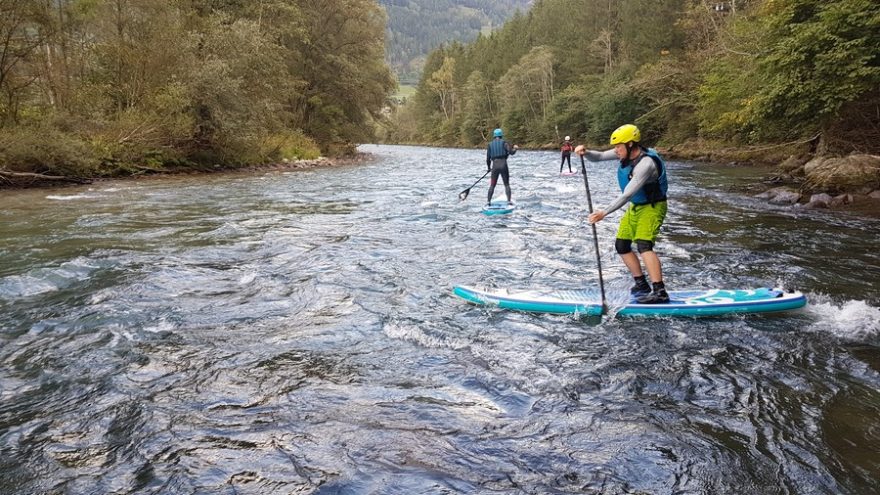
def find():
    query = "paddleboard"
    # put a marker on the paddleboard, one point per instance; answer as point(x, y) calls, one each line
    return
point(587, 302)
point(569, 174)
point(498, 208)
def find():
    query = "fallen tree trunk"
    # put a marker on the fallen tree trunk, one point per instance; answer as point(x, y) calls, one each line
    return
point(33, 177)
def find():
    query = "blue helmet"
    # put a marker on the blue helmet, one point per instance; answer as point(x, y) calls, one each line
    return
point(498, 133)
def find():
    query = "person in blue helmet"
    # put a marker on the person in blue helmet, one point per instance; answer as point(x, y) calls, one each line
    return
point(496, 162)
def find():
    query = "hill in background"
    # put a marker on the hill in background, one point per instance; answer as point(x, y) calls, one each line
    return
point(415, 27)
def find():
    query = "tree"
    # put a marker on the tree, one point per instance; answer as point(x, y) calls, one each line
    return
point(19, 40)
point(821, 55)
point(442, 83)
point(527, 88)
point(478, 114)
point(340, 57)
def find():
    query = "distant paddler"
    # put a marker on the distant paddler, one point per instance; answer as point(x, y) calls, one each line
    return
point(496, 162)
point(567, 148)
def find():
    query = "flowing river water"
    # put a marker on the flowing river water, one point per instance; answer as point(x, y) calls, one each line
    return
point(296, 332)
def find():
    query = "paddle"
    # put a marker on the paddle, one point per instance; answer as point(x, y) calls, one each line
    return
point(595, 237)
point(464, 194)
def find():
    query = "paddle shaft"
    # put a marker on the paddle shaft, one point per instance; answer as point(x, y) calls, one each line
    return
point(593, 226)
point(464, 194)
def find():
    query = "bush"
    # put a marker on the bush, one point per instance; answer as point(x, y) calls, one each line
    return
point(290, 146)
point(45, 150)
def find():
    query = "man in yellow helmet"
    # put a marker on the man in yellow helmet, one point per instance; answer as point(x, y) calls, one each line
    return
point(642, 179)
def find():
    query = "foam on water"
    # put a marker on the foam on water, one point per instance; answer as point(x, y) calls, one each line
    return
point(46, 280)
point(416, 335)
point(566, 188)
point(855, 320)
point(18, 286)
point(71, 197)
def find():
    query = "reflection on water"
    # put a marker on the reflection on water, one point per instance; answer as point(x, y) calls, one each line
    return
point(296, 333)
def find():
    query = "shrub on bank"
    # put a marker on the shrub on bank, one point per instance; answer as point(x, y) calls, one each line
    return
point(290, 146)
point(116, 150)
point(48, 151)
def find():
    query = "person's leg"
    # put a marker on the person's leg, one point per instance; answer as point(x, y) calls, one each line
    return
point(505, 176)
point(632, 263)
point(568, 157)
point(649, 221)
point(561, 163)
point(492, 182)
point(623, 246)
point(658, 293)
point(652, 264)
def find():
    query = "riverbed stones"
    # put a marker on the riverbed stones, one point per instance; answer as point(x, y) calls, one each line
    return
point(786, 198)
point(819, 201)
point(875, 194)
point(841, 200)
point(771, 193)
point(780, 196)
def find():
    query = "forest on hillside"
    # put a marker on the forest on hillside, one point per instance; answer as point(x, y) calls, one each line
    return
point(804, 73)
point(415, 27)
point(110, 87)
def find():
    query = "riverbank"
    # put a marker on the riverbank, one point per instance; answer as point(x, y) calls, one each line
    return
point(24, 180)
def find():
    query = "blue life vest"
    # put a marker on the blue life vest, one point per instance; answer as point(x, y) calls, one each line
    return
point(498, 149)
point(652, 192)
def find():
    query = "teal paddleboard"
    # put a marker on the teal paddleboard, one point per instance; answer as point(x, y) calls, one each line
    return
point(714, 302)
point(498, 208)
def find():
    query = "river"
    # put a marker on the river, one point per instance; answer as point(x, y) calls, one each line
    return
point(296, 332)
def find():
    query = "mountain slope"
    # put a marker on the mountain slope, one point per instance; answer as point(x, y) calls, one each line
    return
point(415, 27)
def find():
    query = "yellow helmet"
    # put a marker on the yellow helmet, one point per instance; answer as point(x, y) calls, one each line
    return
point(625, 134)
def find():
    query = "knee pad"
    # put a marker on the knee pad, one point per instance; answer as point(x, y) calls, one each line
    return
point(623, 246)
point(644, 246)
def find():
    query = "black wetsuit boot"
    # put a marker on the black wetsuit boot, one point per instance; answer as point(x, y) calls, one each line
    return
point(657, 296)
point(642, 288)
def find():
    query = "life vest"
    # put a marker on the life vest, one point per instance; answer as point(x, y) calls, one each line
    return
point(498, 149)
point(566, 146)
point(652, 192)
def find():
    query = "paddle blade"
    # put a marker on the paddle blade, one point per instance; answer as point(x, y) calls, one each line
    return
point(464, 194)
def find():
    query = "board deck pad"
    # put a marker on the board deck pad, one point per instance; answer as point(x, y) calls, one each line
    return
point(587, 302)
point(498, 208)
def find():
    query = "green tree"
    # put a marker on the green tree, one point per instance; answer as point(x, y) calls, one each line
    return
point(821, 55)
point(527, 89)
point(20, 38)
point(478, 114)
point(341, 60)
point(755, 71)
point(442, 83)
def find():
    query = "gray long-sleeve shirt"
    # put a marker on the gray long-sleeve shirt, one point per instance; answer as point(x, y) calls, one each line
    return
point(643, 173)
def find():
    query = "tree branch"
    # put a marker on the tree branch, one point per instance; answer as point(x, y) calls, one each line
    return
point(29, 175)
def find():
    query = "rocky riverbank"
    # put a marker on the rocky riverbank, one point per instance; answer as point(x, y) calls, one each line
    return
point(827, 182)
point(796, 176)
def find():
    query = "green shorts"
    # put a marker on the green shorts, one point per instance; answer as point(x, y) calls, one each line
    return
point(642, 223)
